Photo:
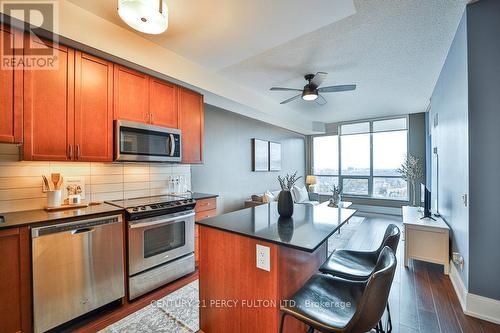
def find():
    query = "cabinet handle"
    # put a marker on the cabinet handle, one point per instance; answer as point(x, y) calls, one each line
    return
point(70, 152)
point(77, 151)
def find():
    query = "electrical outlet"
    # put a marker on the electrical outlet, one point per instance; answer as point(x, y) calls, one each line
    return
point(263, 258)
point(458, 259)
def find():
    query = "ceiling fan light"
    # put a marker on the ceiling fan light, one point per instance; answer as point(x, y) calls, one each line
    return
point(309, 96)
point(148, 16)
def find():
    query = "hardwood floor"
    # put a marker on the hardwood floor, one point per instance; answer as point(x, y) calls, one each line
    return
point(422, 298)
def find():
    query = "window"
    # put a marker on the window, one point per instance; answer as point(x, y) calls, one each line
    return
point(363, 158)
point(326, 162)
point(355, 150)
point(355, 186)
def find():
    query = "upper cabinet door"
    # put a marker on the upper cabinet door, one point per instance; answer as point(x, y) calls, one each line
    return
point(11, 90)
point(93, 108)
point(163, 103)
point(131, 95)
point(49, 107)
point(191, 122)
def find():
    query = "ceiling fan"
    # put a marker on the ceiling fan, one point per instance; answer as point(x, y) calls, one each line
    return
point(311, 90)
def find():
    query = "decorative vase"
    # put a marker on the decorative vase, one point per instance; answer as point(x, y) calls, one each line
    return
point(335, 200)
point(285, 204)
point(285, 229)
point(414, 197)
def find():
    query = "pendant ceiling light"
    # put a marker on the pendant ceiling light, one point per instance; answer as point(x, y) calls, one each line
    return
point(148, 16)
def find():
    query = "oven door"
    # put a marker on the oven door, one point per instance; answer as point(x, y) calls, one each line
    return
point(143, 142)
point(156, 240)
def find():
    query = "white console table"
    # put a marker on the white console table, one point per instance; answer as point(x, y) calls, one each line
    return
point(425, 239)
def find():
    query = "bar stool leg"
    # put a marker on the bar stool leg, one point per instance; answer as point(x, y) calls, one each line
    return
point(389, 321)
point(282, 322)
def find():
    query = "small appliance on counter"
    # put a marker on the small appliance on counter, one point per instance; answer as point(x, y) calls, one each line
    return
point(160, 240)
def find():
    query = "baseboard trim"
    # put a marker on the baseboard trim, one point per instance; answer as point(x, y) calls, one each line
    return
point(474, 305)
point(458, 285)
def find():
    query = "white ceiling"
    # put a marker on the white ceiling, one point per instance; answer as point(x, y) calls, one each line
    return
point(392, 49)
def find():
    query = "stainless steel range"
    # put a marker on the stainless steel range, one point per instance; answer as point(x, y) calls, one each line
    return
point(160, 240)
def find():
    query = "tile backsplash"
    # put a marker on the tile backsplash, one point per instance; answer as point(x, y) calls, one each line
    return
point(21, 182)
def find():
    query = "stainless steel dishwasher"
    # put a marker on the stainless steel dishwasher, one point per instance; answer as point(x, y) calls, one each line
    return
point(77, 267)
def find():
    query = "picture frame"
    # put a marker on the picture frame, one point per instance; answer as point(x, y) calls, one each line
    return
point(260, 155)
point(274, 156)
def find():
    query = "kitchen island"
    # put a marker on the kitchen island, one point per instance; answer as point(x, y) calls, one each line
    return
point(235, 295)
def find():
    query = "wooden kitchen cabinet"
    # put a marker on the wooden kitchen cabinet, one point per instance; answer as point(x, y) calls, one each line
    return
point(204, 209)
point(15, 290)
point(163, 103)
point(191, 123)
point(93, 108)
point(131, 91)
point(48, 108)
point(11, 90)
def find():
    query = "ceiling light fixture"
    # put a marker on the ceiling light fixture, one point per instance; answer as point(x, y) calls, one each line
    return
point(309, 94)
point(148, 16)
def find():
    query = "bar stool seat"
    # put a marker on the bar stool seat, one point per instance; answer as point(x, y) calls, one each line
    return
point(322, 302)
point(335, 305)
point(352, 265)
point(359, 265)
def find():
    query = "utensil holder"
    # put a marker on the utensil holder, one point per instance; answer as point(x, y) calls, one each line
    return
point(54, 198)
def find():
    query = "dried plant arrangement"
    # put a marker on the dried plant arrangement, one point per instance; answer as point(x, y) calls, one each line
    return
point(288, 181)
point(412, 170)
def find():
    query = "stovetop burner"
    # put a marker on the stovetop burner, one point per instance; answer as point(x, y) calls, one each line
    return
point(145, 207)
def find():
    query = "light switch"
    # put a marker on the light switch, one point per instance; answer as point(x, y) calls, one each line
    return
point(263, 258)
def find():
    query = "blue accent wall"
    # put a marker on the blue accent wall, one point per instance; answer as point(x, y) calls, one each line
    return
point(449, 104)
point(483, 30)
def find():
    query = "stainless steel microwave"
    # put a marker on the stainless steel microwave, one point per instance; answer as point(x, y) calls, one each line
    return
point(136, 142)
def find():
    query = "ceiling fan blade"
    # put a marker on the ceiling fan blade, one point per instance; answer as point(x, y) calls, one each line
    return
point(346, 87)
point(319, 78)
point(291, 99)
point(284, 89)
point(321, 100)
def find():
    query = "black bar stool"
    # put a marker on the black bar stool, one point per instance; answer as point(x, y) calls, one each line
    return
point(334, 305)
point(359, 265)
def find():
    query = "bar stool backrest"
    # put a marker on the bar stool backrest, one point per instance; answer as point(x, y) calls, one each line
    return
point(374, 299)
point(391, 239)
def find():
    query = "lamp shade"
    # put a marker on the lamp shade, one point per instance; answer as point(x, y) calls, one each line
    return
point(310, 180)
point(148, 16)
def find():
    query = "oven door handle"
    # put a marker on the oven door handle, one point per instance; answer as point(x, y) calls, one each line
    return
point(162, 221)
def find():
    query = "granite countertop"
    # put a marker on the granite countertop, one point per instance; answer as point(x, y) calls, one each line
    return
point(199, 196)
point(306, 230)
point(40, 217)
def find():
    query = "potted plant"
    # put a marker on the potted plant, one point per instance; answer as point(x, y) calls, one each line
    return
point(285, 200)
point(412, 170)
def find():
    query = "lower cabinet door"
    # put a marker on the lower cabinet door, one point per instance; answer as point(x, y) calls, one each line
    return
point(15, 290)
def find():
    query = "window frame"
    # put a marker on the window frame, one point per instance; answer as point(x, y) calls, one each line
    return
point(371, 175)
